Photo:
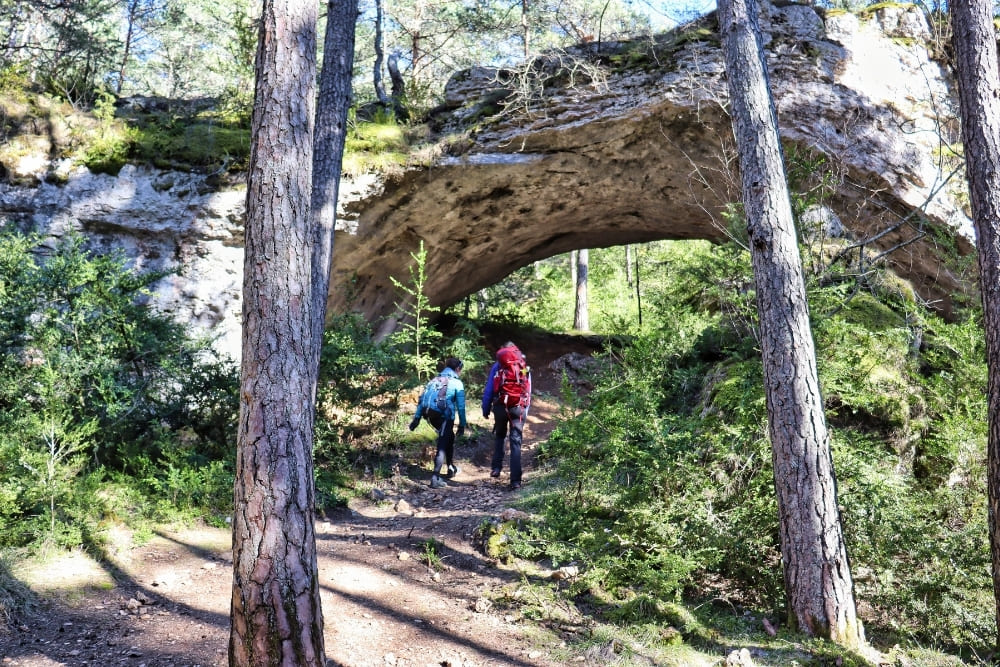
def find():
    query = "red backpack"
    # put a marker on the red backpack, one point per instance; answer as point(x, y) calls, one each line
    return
point(511, 384)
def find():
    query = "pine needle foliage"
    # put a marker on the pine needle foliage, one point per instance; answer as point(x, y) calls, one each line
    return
point(96, 390)
point(661, 479)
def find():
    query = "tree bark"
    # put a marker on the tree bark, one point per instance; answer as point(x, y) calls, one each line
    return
point(396, 78)
point(975, 47)
point(525, 30)
point(328, 152)
point(628, 264)
point(581, 314)
point(817, 574)
point(383, 99)
point(276, 614)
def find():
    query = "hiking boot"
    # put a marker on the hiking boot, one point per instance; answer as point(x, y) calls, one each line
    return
point(514, 486)
point(453, 470)
point(495, 472)
point(438, 483)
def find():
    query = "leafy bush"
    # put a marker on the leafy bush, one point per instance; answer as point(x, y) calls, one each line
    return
point(92, 380)
point(109, 152)
point(662, 479)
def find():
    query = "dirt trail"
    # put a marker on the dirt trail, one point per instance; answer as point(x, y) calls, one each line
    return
point(166, 604)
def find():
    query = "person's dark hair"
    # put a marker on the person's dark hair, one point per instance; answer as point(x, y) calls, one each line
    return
point(507, 344)
point(454, 363)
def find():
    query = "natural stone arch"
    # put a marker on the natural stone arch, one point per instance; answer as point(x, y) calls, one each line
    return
point(646, 155)
point(484, 216)
point(641, 155)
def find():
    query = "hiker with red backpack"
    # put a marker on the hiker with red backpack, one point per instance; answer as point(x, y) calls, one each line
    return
point(443, 399)
point(508, 395)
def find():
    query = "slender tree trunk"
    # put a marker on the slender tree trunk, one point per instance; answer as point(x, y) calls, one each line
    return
point(581, 317)
point(817, 573)
point(638, 291)
point(276, 614)
point(600, 25)
point(416, 43)
point(328, 151)
point(396, 78)
point(398, 88)
point(573, 267)
point(383, 99)
point(975, 46)
point(525, 29)
point(628, 264)
point(132, 16)
point(482, 304)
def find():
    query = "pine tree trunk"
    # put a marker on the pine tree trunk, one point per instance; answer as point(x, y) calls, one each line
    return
point(975, 47)
point(383, 99)
point(329, 139)
point(276, 614)
point(817, 575)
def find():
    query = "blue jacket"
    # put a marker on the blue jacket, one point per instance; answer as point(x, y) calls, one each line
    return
point(455, 397)
point(488, 390)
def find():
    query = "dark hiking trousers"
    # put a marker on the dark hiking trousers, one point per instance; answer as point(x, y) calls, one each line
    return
point(445, 441)
point(508, 419)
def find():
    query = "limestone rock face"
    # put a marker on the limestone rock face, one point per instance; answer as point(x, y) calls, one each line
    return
point(158, 220)
point(624, 154)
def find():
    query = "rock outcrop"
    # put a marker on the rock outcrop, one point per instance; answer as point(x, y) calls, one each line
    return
point(646, 152)
point(635, 149)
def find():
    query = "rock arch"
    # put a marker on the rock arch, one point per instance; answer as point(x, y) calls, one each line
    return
point(647, 154)
point(642, 152)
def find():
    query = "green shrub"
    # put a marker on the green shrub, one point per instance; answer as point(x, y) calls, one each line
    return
point(93, 381)
point(662, 479)
point(203, 142)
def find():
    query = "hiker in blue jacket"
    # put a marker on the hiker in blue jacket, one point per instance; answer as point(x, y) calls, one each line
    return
point(508, 397)
point(443, 399)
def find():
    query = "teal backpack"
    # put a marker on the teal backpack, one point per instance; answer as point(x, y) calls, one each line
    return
point(435, 396)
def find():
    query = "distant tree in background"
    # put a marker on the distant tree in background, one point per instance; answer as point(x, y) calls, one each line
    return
point(581, 311)
point(377, 81)
point(436, 38)
point(195, 48)
point(203, 48)
point(975, 47)
point(67, 48)
point(149, 47)
point(138, 14)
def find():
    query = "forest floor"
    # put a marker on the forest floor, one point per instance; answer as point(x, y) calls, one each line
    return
point(402, 583)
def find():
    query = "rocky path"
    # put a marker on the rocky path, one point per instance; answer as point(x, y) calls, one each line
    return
point(409, 588)
point(401, 582)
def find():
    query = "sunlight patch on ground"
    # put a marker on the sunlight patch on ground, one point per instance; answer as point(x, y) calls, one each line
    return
point(65, 575)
